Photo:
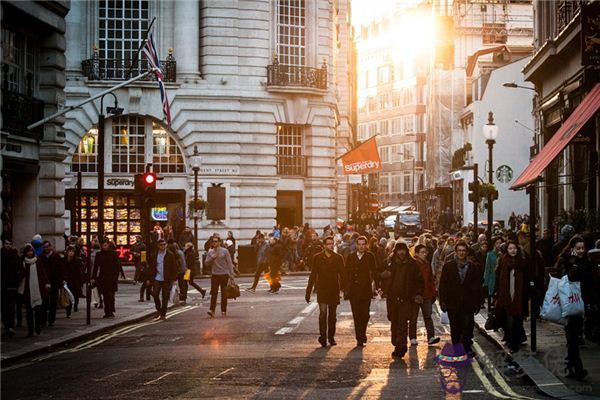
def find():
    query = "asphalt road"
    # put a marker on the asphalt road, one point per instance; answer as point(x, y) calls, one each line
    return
point(266, 348)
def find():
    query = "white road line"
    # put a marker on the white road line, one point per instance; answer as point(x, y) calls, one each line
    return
point(296, 320)
point(159, 378)
point(284, 330)
point(310, 308)
point(218, 376)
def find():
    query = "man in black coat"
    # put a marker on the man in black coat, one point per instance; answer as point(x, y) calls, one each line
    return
point(163, 270)
point(460, 294)
point(53, 266)
point(405, 288)
point(10, 268)
point(327, 276)
point(105, 276)
point(361, 269)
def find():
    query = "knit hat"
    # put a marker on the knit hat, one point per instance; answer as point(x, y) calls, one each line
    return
point(400, 245)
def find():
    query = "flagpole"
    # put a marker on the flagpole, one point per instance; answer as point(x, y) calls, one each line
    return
point(70, 108)
point(137, 55)
point(366, 141)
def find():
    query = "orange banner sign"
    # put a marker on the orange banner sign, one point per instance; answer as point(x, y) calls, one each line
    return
point(362, 160)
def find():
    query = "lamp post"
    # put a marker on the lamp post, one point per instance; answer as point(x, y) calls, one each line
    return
point(490, 132)
point(195, 163)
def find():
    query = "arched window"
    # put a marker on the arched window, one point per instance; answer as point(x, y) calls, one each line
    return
point(166, 156)
point(85, 157)
point(134, 142)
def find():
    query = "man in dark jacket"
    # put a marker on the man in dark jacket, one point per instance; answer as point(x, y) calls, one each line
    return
point(361, 269)
point(460, 294)
point(106, 276)
point(163, 270)
point(52, 263)
point(327, 276)
point(429, 297)
point(10, 268)
point(405, 288)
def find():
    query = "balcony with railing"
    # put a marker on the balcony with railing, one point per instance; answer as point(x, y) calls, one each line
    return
point(292, 78)
point(566, 10)
point(291, 165)
point(19, 111)
point(101, 69)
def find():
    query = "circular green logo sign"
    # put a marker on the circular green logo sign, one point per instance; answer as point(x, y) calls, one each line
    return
point(504, 173)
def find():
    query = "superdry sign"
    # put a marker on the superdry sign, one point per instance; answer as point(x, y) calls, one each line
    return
point(362, 160)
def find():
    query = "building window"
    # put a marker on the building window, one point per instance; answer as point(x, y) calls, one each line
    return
point(362, 132)
point(408, 124)
point(384, 154)
point(166, 156)
point(383, 74)
point(397, 152)
point(384, 183)
point(290, 158)
point(396, 126)
point(372, 129)
point(407, 183)
point(384, 127)
point(396, 182)
point(19, 62)
point(291, 32)
point(85, 157)
point(122, 26)
point(128, 144)
point(407, 151)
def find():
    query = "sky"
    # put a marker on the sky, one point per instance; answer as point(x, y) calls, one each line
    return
point(364, 11)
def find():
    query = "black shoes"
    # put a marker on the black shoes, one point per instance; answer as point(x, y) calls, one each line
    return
point(323, 342)
point(203, 292)
point(332, 342)
point(399, 352)
point(360, 344)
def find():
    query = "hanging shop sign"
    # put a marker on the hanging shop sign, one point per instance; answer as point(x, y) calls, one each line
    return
point(159, 213)
point(590, 34)
point(119, 182)
point(504, 174)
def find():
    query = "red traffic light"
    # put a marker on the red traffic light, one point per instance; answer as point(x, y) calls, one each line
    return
point(149, 178)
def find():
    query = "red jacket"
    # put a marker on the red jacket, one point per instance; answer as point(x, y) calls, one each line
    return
point(429, 292)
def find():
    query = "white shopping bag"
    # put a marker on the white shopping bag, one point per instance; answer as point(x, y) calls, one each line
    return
point(444, 318)
point(551, 310)
point(71, 297)
point(571, 302)
point(174, 295)
point(95, 296)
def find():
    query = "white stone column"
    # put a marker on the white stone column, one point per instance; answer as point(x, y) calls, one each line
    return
point(187, 38)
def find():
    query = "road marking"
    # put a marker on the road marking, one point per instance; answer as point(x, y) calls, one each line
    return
point(284, 330)
point(100, 339)
point(496, 375)
point(158, 379)
point(218, 376)
point(485, 381)
point(110, 376)
point(310, 308)
point(296, 321)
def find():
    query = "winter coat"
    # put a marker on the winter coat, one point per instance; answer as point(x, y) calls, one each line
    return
point(106, 270)
point(192, 260)
point(580, 270)
point(10, 268)
point(413, 282)
point(460, 297)
point(429, 291)
point(489, 273)
point(43, 281)
point(518, 304)
point(360, 275)
point(73, 272)
point(53, 267)
point(170, 266)
point(327, 277)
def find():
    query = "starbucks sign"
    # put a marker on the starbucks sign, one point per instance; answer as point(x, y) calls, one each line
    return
point(504, 174)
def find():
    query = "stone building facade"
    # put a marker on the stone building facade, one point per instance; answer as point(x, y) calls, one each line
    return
point(33, 78)
point(253, 86)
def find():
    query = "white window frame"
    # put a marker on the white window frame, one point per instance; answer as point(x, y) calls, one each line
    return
point(300, 41)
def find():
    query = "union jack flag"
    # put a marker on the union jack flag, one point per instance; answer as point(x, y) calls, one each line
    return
point(151, 53)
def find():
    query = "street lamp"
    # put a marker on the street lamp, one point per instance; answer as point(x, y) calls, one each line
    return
point(490, 132)
point(195, 162)
point(513, 85)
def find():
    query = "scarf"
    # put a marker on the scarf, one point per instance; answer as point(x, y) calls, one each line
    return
point(35, 296)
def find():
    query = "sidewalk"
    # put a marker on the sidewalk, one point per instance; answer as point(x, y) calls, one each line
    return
point(546, 366)
point(128, 310)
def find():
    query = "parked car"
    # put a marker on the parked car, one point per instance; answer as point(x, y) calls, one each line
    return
point(408, 223)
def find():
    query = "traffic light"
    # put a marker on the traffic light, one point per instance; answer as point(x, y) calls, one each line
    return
point(474, 194)
point(145, 186)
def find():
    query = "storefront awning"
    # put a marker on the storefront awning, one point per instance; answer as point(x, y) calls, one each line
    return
point(569, 129)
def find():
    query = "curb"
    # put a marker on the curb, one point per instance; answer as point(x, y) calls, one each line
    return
point(542, 378)
point(5, 362)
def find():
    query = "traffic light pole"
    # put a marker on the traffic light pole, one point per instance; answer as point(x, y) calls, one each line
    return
point(476, 204)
